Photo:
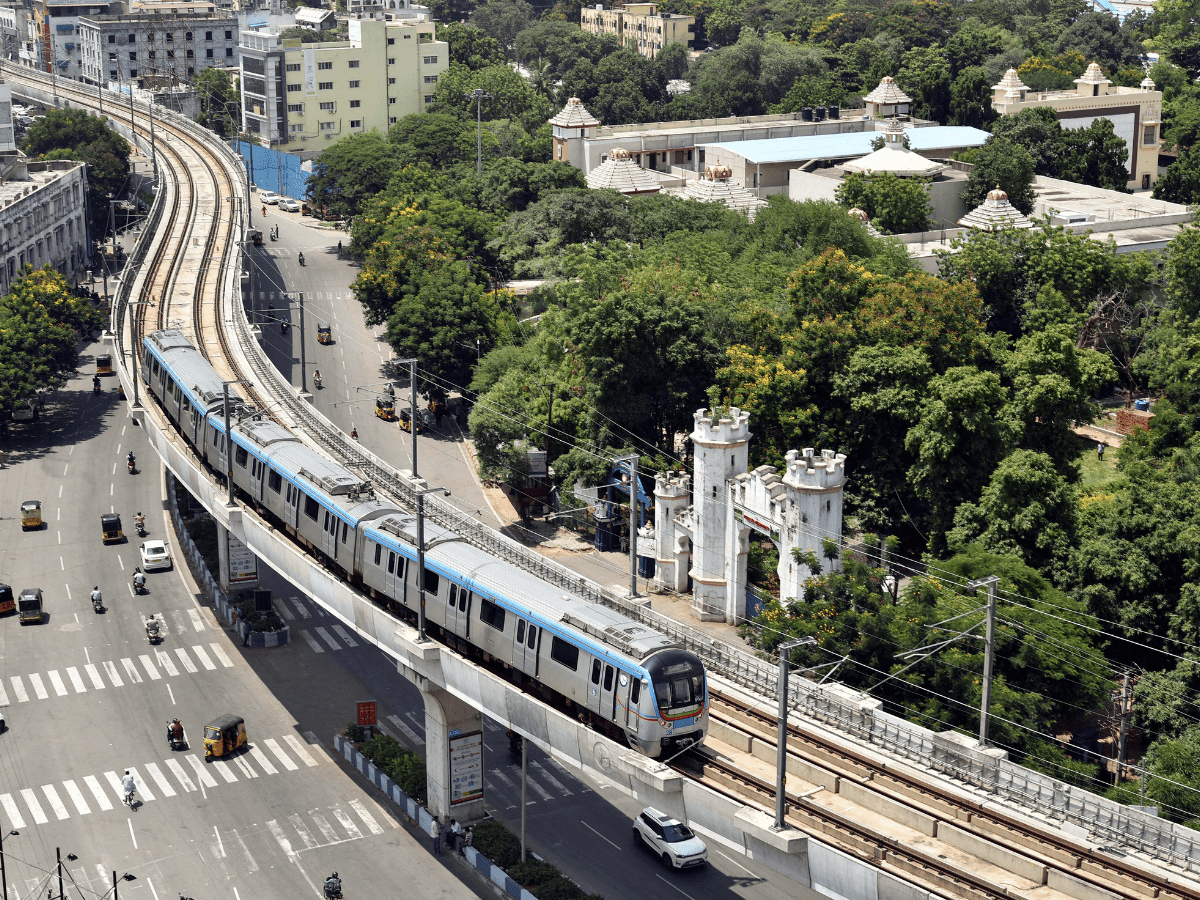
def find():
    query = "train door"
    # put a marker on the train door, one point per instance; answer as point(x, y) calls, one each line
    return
point(630, 694)
point(593, 693)
point(389, 577)
point(528, 648)
point(222, 449)
point(452, 608)
point(328, 533)
point(464, 612)
point(608, 693)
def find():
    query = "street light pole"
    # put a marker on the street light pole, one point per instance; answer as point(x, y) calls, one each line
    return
point(228, 435)
point(412, 400)
point(421, 492)
point(133, 344)
point(633, 521)
point(985, 706)
point(785, 650)
point(3, 873)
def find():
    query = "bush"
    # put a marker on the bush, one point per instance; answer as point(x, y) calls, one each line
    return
point(545, 882)
point(405, 768)
point(256, 620)
point(498, 844)
point(204, 535)
point(356, 734)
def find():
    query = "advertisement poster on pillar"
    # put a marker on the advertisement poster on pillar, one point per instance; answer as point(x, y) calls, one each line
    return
point(243, 565)
point(466, 768)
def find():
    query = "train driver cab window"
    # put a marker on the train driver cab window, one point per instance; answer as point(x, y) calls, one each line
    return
point(595, 671)
point(240, 454)
point(311, 508)
point(520, 631)
point(275, 480)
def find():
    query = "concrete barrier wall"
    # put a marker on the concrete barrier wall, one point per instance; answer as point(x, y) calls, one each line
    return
point(841, 876)
point(1077, 888)
point(1006, 859)
point(802, 769)
point(885, 806)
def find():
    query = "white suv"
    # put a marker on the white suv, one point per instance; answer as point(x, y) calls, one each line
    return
point(670, 839)
point(268, 198)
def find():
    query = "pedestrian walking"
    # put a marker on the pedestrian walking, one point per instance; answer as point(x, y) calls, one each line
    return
point(1100, 451)
point(436, 831)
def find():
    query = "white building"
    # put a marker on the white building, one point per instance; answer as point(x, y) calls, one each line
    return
point(162, 48)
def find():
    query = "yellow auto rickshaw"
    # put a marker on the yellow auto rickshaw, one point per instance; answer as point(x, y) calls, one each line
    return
point(104, 364)
point(437, 401)
point(31, 514)
point(256, 237)
point(110, 528)
point(406, 421)
point(385, 408)
point(324, 333)
point(8, 600)
point(224, 736)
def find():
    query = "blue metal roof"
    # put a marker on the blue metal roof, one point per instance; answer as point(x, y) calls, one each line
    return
point(845, 146)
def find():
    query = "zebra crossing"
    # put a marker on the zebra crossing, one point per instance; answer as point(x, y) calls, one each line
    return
point(292, 609)
point(116, 673)
point(181, 773)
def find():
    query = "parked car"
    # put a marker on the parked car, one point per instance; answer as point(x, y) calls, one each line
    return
point(670, 839)
point(155, 555)
point(287, 204)
point(268, 197)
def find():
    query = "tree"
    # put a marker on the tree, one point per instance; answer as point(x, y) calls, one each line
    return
point(438, 140)
point(957, 442)
point(1099, 37)
point(40, 323)
point(1038, 133)
point(971, 98)
point(470, 46)
point(1179, 34)
point(509, 185)
point(728, 79)
point(452, 11)
point(1173, 781)
point(1000, 163)
point(1181, 183)
point(894, 205)
point(925, 74)
point(352, 171)
point(1027, 510)
point(1096, 156)
point(972, 45)
point(218, 101)
point(76, 134)
point(511, 96)
point(503, 20)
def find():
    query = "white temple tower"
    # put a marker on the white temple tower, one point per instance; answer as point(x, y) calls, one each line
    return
point(721, 451)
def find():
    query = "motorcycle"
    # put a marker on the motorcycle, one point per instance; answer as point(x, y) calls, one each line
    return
point(301, 259)
point(141, 528)
point(131, 464)
point(515, 745)
point(173, 742)
point(317, 381)
point(153, 630)
point(333, 887)
point(95, 385)
point(139, 585)
point(97, 605)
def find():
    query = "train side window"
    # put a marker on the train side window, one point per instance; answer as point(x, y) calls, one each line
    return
point(311, 507)
point(325, 523)
point(608, 670)
point(402, 569)
point(595, 671)
point(391, 562)
point(491, 614)
point(378, 553)
point(344, 526)
point(275, 480)
point(155, 362)
point(464, 601)
point(432, 582)
point(564, 653)
point(531, 643)
point(240, 455)
point(453, 596)
point(520, 631)
point(635, 692)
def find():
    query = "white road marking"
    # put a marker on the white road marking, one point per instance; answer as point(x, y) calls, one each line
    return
point(221, 655)
point(261, 759)
point(111, 669)
point(186, 660)
point(202, 774)
point(273, 746)
point(197, 622)
point(282, 609)
point(504, 780)
point(38, 688)
point(76, 680)
point(57, 683)
point(164, 660)
point(218, 849)
point(160, 779)
point(554, 782)
point(94, 674)
point(3, 695)
point(203, 657)
point(246, 768)
point(664, 881)
point(326, 829)
point(403, 726)
point(302, 830)
point(56, 804)
point(537, 788)
point(328, 638)
point(97, 791)
point(19, 689)
point(180, 775)
point(35, 808)
point(350, 642)
point(281, 838)
point(418, 723)
point(11, 810)
point(300, 608)
point(347, 823)
point(148, 665)
point(367, 818)
point(311, 641)
point(598, 834)
point(131, 670)
point(294, 743)
point(140, 783)
point(251, 865)
point(76, 796)
point(227, 773)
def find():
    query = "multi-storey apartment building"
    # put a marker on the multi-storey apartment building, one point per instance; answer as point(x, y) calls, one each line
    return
point(639, 26)
point(56, 23)
point(168, 48)
point(317, 93)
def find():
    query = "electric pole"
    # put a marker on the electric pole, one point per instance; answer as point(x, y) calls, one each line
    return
point(1125, 698)
point(985, 706)
point(479, 95)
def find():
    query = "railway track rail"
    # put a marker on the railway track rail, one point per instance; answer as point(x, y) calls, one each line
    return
point(191, 278)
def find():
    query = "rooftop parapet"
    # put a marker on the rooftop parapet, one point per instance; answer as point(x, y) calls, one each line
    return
point(672, 484)
point(808, 470)
point(731, 429)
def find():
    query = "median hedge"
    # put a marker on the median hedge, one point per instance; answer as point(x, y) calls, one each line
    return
point(403, 766)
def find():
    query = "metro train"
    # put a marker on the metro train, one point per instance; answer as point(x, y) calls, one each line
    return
point(617, 674)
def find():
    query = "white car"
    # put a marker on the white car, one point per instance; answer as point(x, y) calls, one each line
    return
point(268, 197)
point(155, 555)
point(287, 204)
point(670, 839)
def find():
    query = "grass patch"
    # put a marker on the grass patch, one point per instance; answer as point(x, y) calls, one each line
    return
point(1098, 475)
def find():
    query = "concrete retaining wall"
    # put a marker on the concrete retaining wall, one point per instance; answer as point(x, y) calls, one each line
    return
point(1006, 859)
point(897, 812)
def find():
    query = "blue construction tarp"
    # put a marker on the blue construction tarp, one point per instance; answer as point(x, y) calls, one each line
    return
point(273, 170)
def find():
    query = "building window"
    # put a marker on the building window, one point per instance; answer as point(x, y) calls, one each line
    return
point(208, 35)
point(112, 38)
point(190, 54)
point(112, 57)
point(152, 54)
point(356, 123)
point(393, 40)
point(228, 35)
point(132, 39)
point(1148, 134)
point(188, 36)
point(391, 81)
point(133, 55)
point(355, 104)
point(429, 98)
point(392, 100)
point(327, 126)
point(293, 88)
point(228, 52)
point(325, 85)
point(112, 74)
point(170, 35)
point(408, 37)
point(354, 63)
point(391, 60)
point(170, 54)
point(208, 53)
point(295, 129)
point(324, 66)
point(354, 84)
point(293, 67)
point(431, 60)
point(431, 79)
point(133, 73)
point(392, 120)
point(297, 108)
point(327, 107)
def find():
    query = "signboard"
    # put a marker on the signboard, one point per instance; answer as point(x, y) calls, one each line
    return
point(747, 519)
point(310, 72)
point(366, 713)
point(243, 564)
point(466, 768)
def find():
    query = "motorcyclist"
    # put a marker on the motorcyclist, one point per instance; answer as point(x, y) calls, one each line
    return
point(175, 732)
point(95, 382)
point(301, 259)
point(96, 598)
point(140, 521)
point(139, 579)
point(354, 433)
point(317, 377)
point(130, 460)
point(128, 786)
point(333, 887)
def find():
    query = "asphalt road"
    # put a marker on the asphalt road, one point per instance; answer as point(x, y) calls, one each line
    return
point(581, 825)
point(85, 696)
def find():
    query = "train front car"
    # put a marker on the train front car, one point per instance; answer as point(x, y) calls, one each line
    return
point(679, 696)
